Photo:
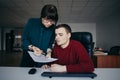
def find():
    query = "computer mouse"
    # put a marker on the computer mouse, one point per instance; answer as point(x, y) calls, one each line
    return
point(32, 71)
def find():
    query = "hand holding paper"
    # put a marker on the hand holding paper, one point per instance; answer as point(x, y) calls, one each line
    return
point(41, 58)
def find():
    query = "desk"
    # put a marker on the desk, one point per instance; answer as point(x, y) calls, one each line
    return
point(107, 61)
point(19, 73)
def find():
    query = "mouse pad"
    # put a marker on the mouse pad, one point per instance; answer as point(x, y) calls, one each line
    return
point(59, 74)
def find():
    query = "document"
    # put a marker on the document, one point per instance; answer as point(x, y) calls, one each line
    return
point(40, 58)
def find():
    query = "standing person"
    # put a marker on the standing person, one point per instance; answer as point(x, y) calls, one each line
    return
point(71, 55)
point(38, 35)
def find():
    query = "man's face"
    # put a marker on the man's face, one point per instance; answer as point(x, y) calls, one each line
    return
point(62, 37)
point(47, 22)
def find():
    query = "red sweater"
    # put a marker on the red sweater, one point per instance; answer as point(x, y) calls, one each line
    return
point(74, 56)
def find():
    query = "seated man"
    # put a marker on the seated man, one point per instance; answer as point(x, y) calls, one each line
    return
point(71, 55)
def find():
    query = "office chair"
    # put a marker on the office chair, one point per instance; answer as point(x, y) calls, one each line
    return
point(86, 39)
point(115, 50)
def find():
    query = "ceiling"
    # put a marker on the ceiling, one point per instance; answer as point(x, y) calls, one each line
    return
point(15, 13)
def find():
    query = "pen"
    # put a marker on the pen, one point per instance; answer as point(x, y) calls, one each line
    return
point(30, 50)
point(41, 53)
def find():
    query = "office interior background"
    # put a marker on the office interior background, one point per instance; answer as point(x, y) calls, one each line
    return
point(100, 17)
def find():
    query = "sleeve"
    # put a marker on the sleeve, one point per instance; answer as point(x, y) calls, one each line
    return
point(25, 35)
point(84, 62)
point(54, 54)
point(52, 40)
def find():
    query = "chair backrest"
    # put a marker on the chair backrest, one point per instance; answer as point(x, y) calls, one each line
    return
point(86, 39)
point(115, 50)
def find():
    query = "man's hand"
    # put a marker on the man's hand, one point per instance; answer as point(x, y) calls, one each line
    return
point(49, 51)
point(48, 55)
point(58, 68)
point(45, 66)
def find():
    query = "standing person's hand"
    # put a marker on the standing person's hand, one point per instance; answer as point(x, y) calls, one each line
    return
point(36, 50)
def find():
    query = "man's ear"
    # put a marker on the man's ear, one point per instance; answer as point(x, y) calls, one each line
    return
point(69, 35)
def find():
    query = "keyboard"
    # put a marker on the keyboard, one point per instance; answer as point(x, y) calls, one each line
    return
point(66, 74)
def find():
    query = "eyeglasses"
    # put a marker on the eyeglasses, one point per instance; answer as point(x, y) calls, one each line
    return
point(48, 21)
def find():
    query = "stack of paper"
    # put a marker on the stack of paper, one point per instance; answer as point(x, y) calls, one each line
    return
point(41, 58)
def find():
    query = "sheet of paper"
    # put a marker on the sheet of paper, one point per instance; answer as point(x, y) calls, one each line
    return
point(41, 58)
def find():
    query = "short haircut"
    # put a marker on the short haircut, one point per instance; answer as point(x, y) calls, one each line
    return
point(67, 27)
point(50, 12)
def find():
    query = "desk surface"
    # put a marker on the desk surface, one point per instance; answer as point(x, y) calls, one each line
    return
point(20, 73)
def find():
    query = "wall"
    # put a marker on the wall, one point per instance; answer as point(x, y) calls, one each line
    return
point(108, 31)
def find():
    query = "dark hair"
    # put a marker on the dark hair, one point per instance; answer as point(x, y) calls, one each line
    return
point(50, 12)
point(67, 27)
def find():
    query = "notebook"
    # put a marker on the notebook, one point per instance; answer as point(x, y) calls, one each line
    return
point(59, 74)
